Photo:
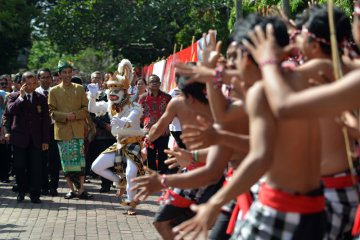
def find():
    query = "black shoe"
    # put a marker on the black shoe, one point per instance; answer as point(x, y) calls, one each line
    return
point(104, 190)
point(70, 195)
point(45, 192)
point(35, 200)
point(5, 180)
point(85, 195)
point(15, 188)
point(54, 192)
point(20, 197)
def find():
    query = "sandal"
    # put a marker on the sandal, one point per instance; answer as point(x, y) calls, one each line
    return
point(131, 211)
point(85, 195)
point(70, 195)
point(120, 192)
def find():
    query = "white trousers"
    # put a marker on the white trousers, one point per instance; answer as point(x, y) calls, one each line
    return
point(105, 161)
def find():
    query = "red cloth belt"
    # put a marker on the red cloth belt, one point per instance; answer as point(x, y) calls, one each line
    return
point(176, 200)
point(339, 182)
point(243, 203)
point(356, 226)
point(286, 202)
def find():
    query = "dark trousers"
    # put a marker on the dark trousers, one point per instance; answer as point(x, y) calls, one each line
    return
point(95, 149)
point(219, 229)
point(179, 142)
point(51, 164)
point(160, 145)
point(27, 166)
point(4, 161)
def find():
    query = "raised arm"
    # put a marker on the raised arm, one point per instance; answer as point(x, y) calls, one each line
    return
point(255, 165)
point(98, 108)
point(14, 104)
point(328, 99)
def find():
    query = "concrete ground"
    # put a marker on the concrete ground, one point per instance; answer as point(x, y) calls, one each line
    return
point(58, 218)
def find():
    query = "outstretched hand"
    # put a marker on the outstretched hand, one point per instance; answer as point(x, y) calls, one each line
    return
point(146, 185)
point(181, 158)
point(198, 73)
point(211, 52)
point(199, 136)
point(205, 217)
point(93, 89)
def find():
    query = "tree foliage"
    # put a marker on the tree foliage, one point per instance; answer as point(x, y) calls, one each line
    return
point(105, 31)
point(43, 54)
point(15, 30)
point(141, 30)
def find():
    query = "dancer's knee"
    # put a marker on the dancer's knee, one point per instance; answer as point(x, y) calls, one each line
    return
point(96, 166)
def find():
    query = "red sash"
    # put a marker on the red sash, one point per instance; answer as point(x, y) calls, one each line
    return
point(243, 203)
point(356, 227)
point(286, 202)
point(175, 199)
point(339, 182)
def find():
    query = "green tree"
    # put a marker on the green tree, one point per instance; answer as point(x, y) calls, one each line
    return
point(141, 30)
point(15, 31)
point(43, 54)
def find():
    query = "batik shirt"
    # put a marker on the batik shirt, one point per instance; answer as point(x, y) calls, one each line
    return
point(154, 108)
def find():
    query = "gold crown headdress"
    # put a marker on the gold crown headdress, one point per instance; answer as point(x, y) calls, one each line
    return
point(122, 77)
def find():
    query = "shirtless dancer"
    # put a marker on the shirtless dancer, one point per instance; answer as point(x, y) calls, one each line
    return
point(342, 198)
point(232, 119)
point(291, 204)
point(174, 207)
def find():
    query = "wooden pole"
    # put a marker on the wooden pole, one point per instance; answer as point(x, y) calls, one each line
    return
point(338, 74)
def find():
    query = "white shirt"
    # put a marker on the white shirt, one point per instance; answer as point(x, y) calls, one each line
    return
point(41, 90)
point(175, 125)
point(26, 95)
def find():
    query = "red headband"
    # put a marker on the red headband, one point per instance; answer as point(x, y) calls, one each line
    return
point(322, 40)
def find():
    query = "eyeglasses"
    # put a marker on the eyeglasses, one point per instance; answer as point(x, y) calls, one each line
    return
point(155, 82)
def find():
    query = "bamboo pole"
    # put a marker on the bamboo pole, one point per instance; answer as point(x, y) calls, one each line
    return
point(338, 74)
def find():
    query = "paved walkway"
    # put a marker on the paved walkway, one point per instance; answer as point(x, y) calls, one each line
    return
point(58, 218)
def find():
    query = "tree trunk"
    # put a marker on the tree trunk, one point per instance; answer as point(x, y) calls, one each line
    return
point(286, 7)
point(238, 7)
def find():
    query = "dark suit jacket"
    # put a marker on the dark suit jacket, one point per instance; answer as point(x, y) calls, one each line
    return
point(30, 120)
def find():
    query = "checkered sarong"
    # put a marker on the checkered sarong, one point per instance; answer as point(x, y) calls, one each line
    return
point(341, 205)
point(193, 195)
point(263, 222)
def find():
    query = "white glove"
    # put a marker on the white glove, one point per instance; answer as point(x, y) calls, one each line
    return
point(117, 122)
point(93, 89)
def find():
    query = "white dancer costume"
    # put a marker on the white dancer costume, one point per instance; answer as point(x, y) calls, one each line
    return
point(125, 116)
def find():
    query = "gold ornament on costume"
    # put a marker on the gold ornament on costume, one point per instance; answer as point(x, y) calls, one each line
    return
point(122, 77)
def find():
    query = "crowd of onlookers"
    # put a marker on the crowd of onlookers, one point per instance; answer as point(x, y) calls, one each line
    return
point(45, 167)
